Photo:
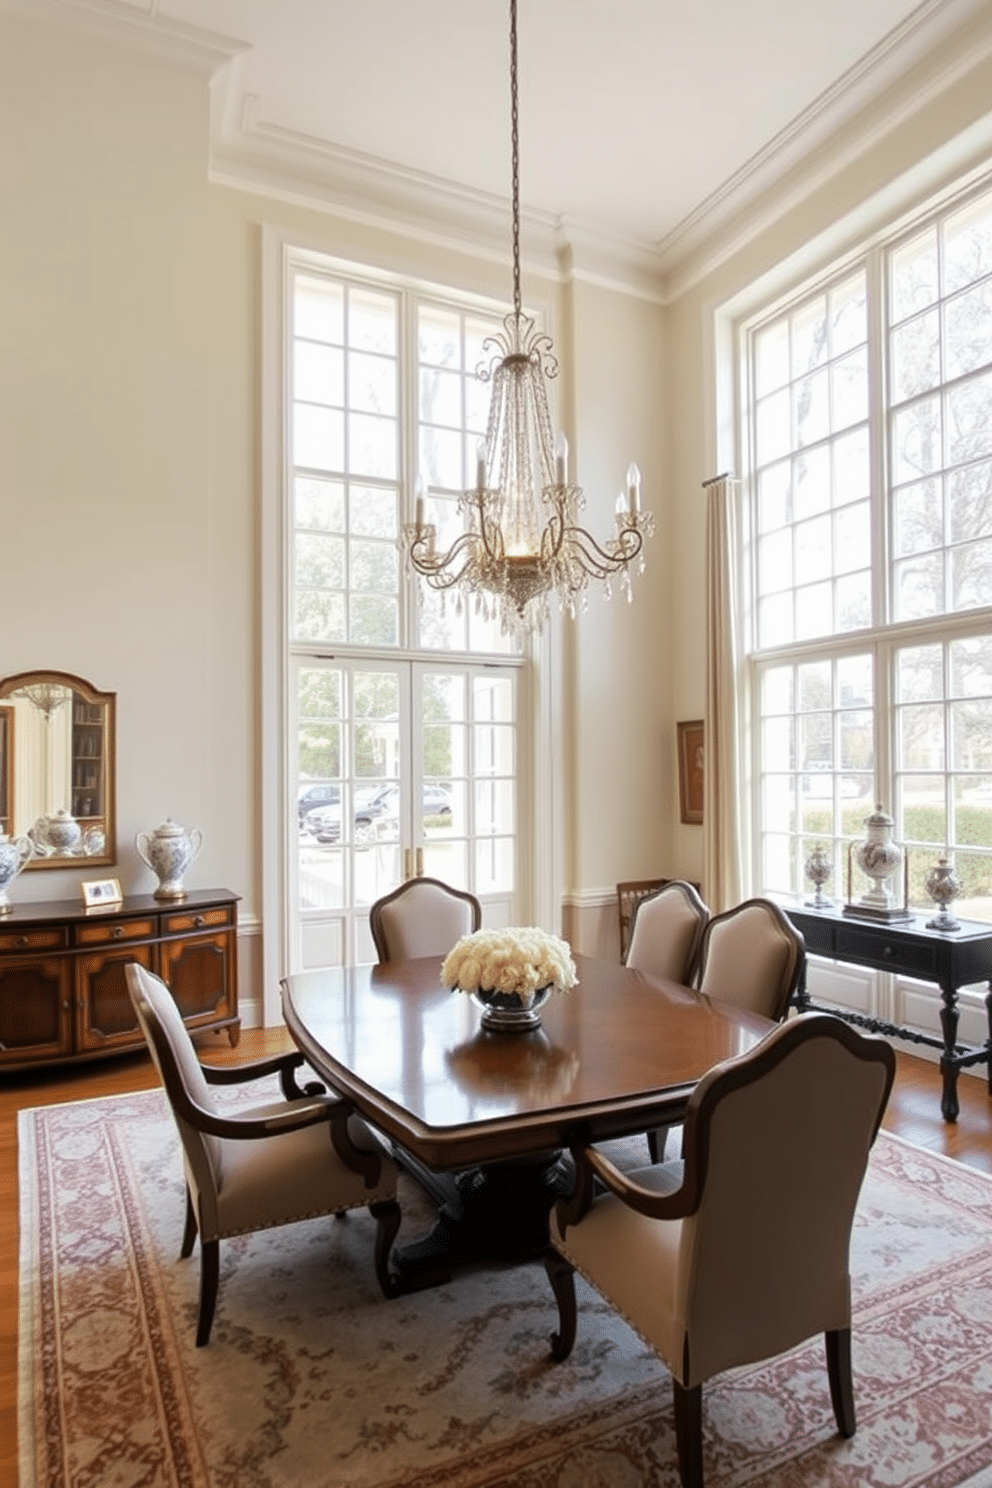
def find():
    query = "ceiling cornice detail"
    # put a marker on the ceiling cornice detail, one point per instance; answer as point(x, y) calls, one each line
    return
point(114, 21)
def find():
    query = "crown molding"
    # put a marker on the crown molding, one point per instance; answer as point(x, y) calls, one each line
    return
point(114, 21)
point(961, 29)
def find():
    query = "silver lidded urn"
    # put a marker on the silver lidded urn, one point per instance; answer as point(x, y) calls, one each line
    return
point(168, 852)
point(943, 886)
point(818, 868)
point(14, 854)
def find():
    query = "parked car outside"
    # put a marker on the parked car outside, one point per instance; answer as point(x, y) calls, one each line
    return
point(316, 793)
point(376, 814)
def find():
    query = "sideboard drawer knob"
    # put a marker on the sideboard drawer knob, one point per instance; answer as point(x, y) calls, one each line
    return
point(199, 922)
point(887, 950)
point(21, 940)
point(117, 932)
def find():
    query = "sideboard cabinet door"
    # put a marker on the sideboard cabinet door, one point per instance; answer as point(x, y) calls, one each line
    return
point(35, 1009)
point(198, 960)
point(105, 1016)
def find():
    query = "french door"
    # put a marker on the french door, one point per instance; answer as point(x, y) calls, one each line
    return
point(401, 768)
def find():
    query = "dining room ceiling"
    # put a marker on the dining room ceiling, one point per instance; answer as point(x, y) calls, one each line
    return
point(639, 119)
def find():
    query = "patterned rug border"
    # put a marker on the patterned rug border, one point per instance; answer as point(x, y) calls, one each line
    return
point(522, 1456)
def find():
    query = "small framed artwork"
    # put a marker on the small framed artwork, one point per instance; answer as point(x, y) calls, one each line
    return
point(690, 737)
point(101, 891)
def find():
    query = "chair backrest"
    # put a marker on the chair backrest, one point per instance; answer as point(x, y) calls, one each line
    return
point(753, 956)
point(666, 931)
point(423, 917)
point(776, 1143)
point(179, 1069)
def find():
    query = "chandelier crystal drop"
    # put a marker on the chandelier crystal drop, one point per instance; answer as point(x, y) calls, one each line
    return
point(522, 541)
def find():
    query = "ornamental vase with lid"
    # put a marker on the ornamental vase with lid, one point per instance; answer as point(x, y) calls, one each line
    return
point(878, 857)
point(14, 854)
point(818, 868)
point(943, 886)
point(59, 833)
point(168, 851)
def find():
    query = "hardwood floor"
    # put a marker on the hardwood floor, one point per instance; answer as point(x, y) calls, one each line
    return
point(913, 1113)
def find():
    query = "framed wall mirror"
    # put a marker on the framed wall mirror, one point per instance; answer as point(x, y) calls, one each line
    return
point(57, 768)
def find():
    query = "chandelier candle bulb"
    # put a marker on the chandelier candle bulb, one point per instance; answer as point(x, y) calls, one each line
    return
point(561, 460)
point(634, 489)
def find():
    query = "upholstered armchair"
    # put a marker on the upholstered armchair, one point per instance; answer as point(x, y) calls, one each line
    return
point(753, 956)
point(740, 1252)
point(666, 931)
point(259, 1166)
point(423, 917)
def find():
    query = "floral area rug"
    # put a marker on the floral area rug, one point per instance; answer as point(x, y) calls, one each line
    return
point(312, 1380)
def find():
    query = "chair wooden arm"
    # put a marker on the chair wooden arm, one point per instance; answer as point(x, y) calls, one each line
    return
point(282, 1065)
point(591, 1166)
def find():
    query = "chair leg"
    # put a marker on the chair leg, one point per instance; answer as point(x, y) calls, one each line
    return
point(656, 1143)
point(387, 1215)
point(189, 1232)
point(209, 1278)
point(562, 1278)
point(689, 1433)
point(841, 1379)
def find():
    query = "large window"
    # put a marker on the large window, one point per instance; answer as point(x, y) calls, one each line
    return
point(403, 744)
point(869, 437)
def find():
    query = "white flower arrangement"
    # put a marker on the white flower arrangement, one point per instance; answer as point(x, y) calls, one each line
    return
point(517, 961)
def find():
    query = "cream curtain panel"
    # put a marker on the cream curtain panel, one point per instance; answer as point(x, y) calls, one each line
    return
point(725, 813)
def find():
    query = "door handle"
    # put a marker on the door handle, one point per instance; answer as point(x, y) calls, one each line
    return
point(420, 862)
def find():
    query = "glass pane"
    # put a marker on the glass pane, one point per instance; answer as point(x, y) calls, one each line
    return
point(973, 810)
point(771, 357)
point(849, 385)
point(774, 427)
point(440, 397)
point(494, 864)
point(851, 466)
point(776, 744)
point(778, 862)
point(812, 477)
point(970, 501)
point(494, 749)
point(816, 813)
point(373, 511)
point(814, 611)
point(319, 504)
point(971, 576)
point(969, 330)
point(919, 586)
point(971, 667)
point(441, 459)
point(969, 419)
point(775, 496)
point(916, 441)
point(778, 797)
point(852, 595)
point(372, 384)
point(852, 537)
point(374, 566)
point(812, 408)
point(922, 808)
point(319, 561)
point(968, 245)
point(374, 621)
point(913, 275)
point(318, 310)
point(318, 373)
point(975, 873)
point(775, 620)
point(814, 685)
point(971, 734)
point(809, 337)
point(849, 315)
point(915, 350)
point(816, 743)
point(921, 736)
point(813, 550)
point(372, 446)
point(918, 517)
point(494, 805)
point(319, 616)
point(775, 561)
point(855, 681)
point(777, 690)
point(372, 321)
point(318, 437)
point(919, 673)
point(439, 336)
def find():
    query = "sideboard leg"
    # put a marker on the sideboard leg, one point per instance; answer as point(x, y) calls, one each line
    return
point(948, 1063)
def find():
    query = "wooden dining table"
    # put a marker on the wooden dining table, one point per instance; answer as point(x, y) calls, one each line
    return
point(485, 1120)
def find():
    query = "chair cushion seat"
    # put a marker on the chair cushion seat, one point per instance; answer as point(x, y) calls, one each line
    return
point(295, 1175)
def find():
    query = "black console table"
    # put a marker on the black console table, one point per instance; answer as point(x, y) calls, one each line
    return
point(951, 958)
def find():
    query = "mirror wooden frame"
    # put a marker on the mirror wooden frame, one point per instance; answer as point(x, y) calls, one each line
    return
point(96, 733)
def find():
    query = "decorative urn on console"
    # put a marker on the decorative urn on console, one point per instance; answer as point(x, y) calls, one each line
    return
point(14, 854)
point(58, 835)
point(169, 851)
point(878, 857)
point(943, 886)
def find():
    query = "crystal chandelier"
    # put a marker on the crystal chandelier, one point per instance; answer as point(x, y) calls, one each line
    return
point(522, 540)
point(47, 697)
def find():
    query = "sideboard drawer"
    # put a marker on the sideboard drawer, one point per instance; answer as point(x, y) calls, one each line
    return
point(51, 938)
point(197, 919)
point(915, 958)
point(111, 932)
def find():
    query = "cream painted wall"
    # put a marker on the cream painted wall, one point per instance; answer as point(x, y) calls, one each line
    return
point(130, 463)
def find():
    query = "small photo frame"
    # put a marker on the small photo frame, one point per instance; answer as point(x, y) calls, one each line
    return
point(690, 746)
point(101, 891)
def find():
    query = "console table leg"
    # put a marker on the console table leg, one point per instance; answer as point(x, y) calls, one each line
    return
point(988, 1041)
point(948, 1062)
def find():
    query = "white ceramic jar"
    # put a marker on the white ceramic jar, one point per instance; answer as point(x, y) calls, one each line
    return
point(168, 851)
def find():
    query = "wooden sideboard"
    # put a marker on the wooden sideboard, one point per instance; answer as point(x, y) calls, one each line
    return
point(63, 992)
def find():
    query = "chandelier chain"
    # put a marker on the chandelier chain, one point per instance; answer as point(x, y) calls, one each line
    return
point(515, 158)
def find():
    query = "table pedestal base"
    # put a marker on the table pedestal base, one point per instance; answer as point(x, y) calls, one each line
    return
point(494, 1213)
